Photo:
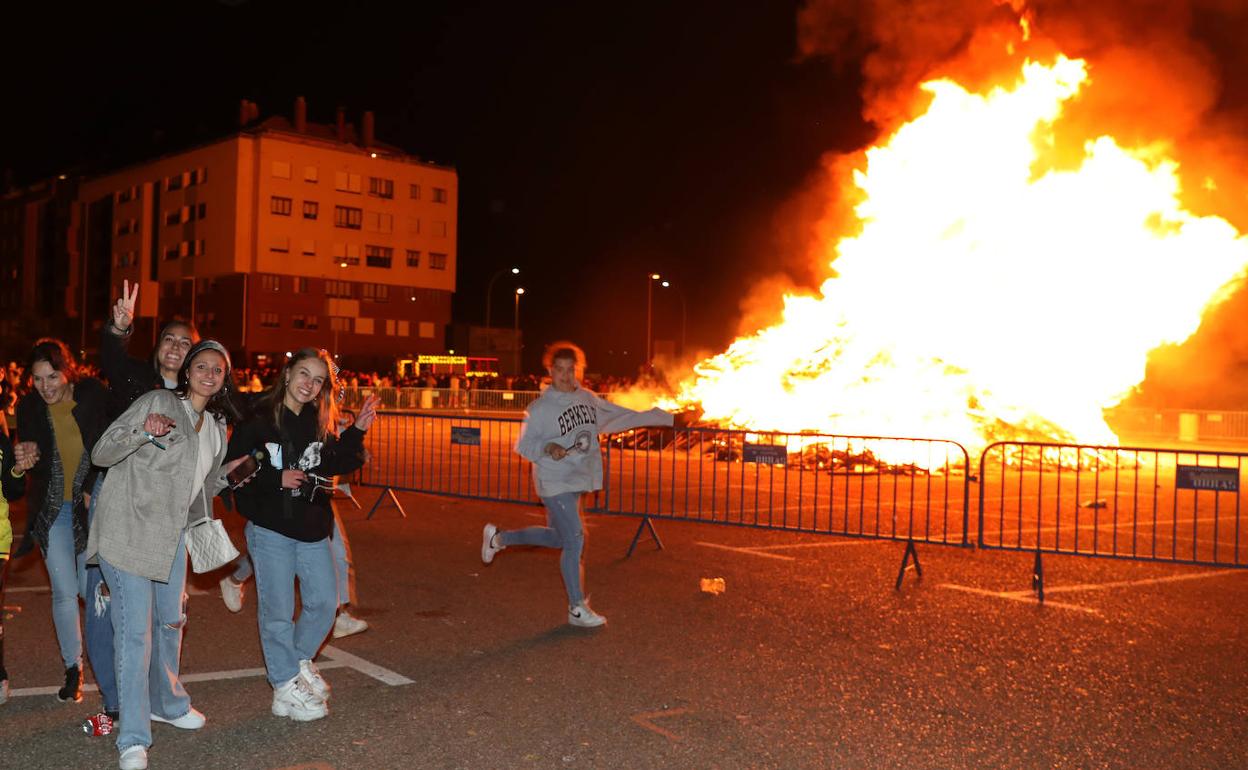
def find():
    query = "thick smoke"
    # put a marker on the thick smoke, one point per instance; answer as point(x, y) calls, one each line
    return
point(1166, 74)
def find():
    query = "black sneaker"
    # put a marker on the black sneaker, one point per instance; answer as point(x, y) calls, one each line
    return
point(72, 691)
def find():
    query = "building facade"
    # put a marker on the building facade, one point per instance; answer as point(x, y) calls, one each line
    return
point(284, 235)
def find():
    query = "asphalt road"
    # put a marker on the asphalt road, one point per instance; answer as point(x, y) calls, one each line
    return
point(810, 659)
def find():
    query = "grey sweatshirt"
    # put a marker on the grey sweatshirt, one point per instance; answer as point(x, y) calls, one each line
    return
point(574, 420)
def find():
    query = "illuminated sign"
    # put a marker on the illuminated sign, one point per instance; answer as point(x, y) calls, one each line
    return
point(1203, 477)
point(765, 454)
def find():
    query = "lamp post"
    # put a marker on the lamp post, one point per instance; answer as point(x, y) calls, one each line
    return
point(516, 331)
point(650, 279)
point(489, 289)
point(681, 294)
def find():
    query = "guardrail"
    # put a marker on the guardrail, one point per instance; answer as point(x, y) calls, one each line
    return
point(444, 399)
point(1141, 504)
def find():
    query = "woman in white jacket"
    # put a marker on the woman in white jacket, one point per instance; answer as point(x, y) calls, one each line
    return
point(560, 438)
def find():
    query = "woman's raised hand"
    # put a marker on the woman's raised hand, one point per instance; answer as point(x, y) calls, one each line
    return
point(367, 412)
point(123, 310)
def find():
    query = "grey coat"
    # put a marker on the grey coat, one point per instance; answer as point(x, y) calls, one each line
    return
point(142, 510)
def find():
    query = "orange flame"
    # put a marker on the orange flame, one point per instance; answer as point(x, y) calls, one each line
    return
point(985, 296)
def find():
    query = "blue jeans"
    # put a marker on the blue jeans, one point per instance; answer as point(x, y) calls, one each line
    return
point(99, 624)
point(148, 619)
point(563, 530)
point(278, 560)
point(68, 576)
point(344, 566)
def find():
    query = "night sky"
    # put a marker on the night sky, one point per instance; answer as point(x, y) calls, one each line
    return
point(594, 143)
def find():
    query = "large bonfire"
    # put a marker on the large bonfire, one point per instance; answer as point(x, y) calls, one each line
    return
point(986, 289)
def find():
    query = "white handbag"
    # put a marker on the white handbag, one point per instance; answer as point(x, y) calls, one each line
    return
point(209, 546)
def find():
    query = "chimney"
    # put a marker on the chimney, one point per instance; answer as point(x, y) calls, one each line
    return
point(301, 115)
point(368, 124)
point(342, 125)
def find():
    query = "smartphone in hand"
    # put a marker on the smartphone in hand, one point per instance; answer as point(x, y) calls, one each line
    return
point(243, 471)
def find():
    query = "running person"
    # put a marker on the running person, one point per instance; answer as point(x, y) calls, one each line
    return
point(560, 438)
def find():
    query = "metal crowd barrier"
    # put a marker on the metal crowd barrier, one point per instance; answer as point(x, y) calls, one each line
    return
point(445, 455)
point(904, 489)
point(1132, 503)
point(443, 399)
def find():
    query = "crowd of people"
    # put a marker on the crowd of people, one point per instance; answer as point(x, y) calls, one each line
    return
point(120, 462)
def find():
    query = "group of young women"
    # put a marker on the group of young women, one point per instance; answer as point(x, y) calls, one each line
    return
point(118, 474)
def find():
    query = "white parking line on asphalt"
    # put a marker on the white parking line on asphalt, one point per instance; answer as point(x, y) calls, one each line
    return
point(750, 551)
point(830, 544)
point(336, 659)
point(1027, 597)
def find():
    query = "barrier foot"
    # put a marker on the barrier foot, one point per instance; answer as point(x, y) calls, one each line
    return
point(654, 535)
point(911, 552)
point(389, 492)
point(1037, 577)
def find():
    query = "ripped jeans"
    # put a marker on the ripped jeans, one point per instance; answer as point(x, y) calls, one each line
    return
point(148, 620)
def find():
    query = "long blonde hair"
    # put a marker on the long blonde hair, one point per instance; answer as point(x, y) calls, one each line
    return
point(274, 399)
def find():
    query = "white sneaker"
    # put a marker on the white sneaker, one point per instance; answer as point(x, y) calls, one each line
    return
point(346, 624)
point(312, 675)
point(295, 699)
point(488, 548)
point(232, 594)
point(581, 615)
point(191, 720)
point(133, 758)
point(4, 691)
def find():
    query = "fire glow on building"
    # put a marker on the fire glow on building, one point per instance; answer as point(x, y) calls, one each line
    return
point(994, 284)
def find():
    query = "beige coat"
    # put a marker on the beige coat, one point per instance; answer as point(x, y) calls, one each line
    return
point(142, 511)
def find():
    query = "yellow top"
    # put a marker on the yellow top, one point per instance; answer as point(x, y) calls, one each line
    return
point(6, 529)
point(68, 442)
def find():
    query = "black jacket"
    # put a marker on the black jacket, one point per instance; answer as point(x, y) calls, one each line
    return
point(91, 412)
point(306, 516)
point(128, 378)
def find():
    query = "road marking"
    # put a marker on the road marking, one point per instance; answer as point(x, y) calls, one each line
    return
point(750, 551)
point(1141, 582)
point(336, 659)
point(1026, 597)
point(830, 544)
point(644, 720)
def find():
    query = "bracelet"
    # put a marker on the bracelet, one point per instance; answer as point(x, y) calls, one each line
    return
point(15, 473)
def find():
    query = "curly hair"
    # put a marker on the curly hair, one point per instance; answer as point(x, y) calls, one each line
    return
point(568, 351)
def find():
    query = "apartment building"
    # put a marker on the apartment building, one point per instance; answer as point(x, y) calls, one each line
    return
point(283, 235)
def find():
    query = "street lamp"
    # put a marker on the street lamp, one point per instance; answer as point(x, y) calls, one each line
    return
point(516, 331)
point(681, 294)
point(489, 289)
point(650, 279)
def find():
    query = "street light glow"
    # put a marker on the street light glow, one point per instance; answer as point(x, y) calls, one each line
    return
point(655, 276)
point(515, 271)
point(520, 290)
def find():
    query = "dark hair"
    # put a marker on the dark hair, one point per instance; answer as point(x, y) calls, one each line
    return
point(565, 350)
point(274, 399)
point(58, 356)
point(164, 329)
point(221, 405)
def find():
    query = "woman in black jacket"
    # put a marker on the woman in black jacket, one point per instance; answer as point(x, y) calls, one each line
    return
point(293, 434)
point(58, 423)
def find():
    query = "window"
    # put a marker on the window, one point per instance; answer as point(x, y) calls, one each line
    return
point(305, 321)
point(380, 188)
point(346, 216)
point(311, 209)
point(413, 258)
point(128, 194)
point(310, 174)
point(173, 182)
point(338, 289)
point(437, 261)
point(413, 191)
point(271, 282)
point(171, 252)
point(281, 169)
point(300, 285)
point(309, 249)
point(376, 292)
point(281, 206)
point(377, 222)
point(280, 244)
point(413, 225)
point(339, 324)
point(345, 182)
point(198, 176)
point(439, 195)
point(426, 329)
point(201, 211)
point(397, 328)
point(197, 247)
point(364, 325)
point(269, 320)
point(173, 217)
point(346, 254)
point(439, 229)
point(378, 256)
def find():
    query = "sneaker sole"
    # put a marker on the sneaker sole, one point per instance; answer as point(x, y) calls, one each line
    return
point(488, 552)
point(299, 715)
point(340, 634)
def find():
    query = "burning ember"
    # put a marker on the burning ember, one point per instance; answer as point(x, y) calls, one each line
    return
point(990, 291)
